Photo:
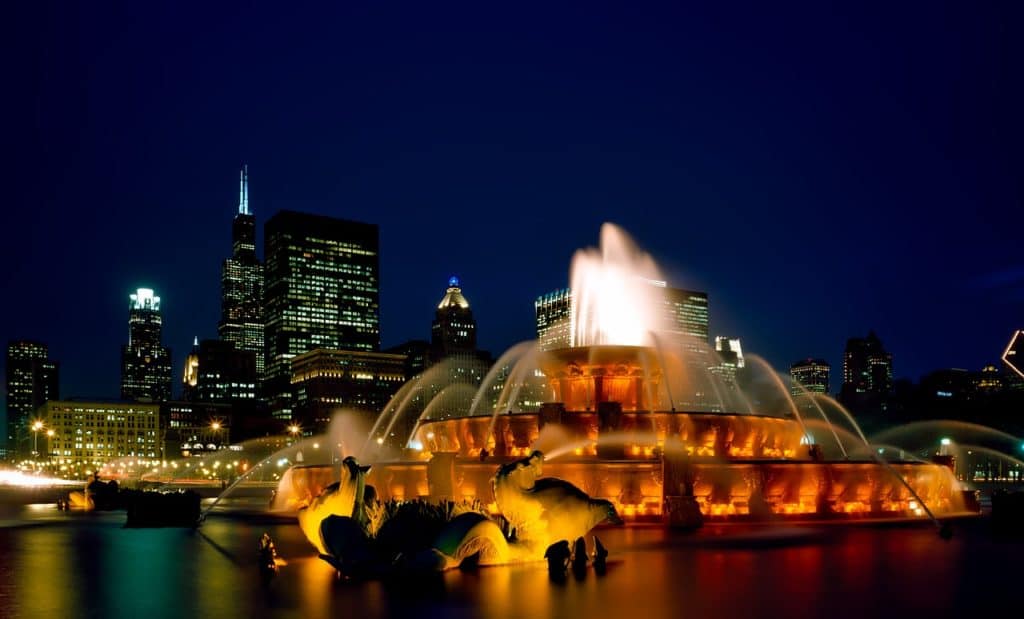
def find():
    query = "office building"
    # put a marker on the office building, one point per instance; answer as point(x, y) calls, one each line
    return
point(92, 433)
point(328, 381)
point(32, 379)
point(453, 331)
point(867, 367)
point(554, 319)
point(810, 374)
point(686, 312)
point(241, 321)
point(417, 356)
point(322, 291)
point(730, 360)
point(145, 362)
point(224, 374)
point(867, 375)
point(194, 428)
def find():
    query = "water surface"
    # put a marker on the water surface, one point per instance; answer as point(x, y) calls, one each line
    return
point(87, 565)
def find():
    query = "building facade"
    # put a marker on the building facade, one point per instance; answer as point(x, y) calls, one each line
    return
point(327, 381)
point(811, 374)
point(867, 375)
point(867, 366)
point(241, 321)
point(194, 428)
point(730, 360)
point(32, 379)
point(92, 433)
point(453, 331)
point(322, 291)
point(145, 362)
point(686, 312)
point(224, 374)
point(554, 319)
point(417, 356)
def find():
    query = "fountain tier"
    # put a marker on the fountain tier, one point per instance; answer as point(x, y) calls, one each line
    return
point(617, 440)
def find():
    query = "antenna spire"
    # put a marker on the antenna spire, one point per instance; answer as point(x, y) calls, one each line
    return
point(243, 190)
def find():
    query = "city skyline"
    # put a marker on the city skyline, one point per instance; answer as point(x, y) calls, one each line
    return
point(685, 155)
point(996, 357)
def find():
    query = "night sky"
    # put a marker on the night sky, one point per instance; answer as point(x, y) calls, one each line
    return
point(819, 172)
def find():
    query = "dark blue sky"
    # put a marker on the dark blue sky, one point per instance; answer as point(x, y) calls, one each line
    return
point(820, 172)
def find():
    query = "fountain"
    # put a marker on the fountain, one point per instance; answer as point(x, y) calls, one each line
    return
point(646, 430)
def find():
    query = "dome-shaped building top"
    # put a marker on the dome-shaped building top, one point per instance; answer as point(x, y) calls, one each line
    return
point(454, 329)
point(453, 296)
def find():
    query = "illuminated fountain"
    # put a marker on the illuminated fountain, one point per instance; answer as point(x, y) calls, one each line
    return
point(637, 416)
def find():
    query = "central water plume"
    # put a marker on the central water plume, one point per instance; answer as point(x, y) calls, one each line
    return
point(618, 293)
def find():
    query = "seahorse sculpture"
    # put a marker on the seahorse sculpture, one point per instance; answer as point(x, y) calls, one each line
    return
point(342, 498)
point(545, 510)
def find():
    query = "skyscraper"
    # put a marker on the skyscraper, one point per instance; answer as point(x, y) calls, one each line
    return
point(554, 319)
point(812, 374)
point(241, 320)
point(730, 359)
point(220, 373)
point(322, 291)
point(32, 379)
point(453, 331)
point(685, 313)
point(867, 374)
point(145, 362)
point(867, 367)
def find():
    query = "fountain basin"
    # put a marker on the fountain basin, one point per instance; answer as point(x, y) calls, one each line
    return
point(756, 490)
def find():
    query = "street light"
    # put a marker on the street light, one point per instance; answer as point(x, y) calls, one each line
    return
point(37, 425)
point(294, 429)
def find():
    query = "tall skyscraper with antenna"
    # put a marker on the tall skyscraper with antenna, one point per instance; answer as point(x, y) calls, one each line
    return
point(241, 280)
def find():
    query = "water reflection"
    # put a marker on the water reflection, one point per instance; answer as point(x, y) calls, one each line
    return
point(92, 567)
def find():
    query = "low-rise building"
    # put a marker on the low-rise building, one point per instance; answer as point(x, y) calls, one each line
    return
point(93, 433)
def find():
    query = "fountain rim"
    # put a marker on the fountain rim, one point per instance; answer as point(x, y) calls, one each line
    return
point(594, 411)
point(653, 461)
